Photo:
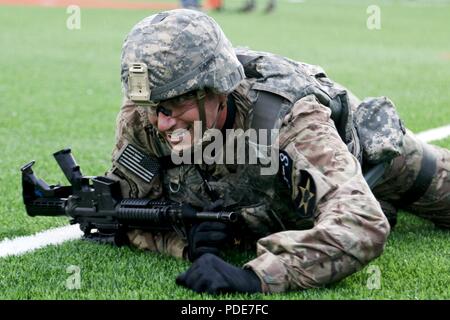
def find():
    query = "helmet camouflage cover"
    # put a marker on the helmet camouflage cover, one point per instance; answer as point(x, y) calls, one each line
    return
point(179, 51)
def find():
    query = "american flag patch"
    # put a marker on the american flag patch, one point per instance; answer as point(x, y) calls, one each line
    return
point(140, 164)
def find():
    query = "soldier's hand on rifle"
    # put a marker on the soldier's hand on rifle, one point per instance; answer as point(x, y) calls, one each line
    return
point(212, 275)
point(206, 237)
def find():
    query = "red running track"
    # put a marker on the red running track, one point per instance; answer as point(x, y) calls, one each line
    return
point(92, 4)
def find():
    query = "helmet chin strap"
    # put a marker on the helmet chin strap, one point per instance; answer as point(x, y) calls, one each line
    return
point(221, 106)
point(201, 95)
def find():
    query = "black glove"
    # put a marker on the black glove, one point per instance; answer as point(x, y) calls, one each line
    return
point(212, 275)
point(206, 237)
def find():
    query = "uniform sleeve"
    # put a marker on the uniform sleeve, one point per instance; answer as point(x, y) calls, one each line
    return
point(349, 229)
point(130, 129)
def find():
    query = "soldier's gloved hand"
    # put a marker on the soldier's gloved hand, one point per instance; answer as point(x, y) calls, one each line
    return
point(212, 275)
point(206, 237)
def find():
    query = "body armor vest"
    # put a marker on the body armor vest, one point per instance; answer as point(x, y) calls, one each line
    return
point(298, 80)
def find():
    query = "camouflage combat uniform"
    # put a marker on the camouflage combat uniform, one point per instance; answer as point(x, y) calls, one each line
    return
point(317, 221)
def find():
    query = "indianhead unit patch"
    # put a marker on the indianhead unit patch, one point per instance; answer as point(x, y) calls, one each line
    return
point(305, 202)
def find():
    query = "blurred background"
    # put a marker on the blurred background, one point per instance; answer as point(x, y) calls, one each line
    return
point(60, 87)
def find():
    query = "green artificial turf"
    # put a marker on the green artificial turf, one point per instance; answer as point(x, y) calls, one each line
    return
point(61, 88)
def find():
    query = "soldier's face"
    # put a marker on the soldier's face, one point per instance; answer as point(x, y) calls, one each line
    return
point(175, 118)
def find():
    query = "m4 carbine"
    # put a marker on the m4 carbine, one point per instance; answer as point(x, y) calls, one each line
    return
point(96, 204)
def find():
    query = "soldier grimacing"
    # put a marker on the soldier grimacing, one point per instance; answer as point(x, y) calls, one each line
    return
point(313, 222)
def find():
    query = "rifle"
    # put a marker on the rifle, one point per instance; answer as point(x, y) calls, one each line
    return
point(96, 204)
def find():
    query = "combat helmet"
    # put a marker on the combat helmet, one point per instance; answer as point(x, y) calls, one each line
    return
point(175, 52)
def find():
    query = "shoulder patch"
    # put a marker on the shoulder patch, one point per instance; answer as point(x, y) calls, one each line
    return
point(141, 164)
point(286, 169)
point(305, 202)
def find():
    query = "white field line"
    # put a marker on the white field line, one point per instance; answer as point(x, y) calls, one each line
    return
point(21, 245)
point(434, 134)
